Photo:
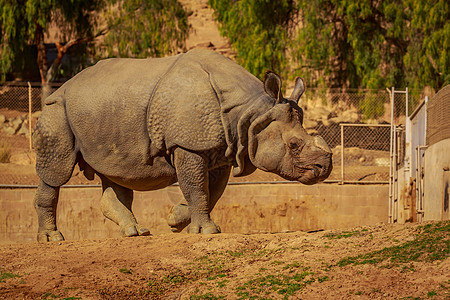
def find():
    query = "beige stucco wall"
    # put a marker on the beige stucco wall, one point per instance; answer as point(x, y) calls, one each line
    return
point(437, 160)
point(242, 209)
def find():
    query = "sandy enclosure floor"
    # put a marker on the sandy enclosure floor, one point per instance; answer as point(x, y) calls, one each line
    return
point(414, 264)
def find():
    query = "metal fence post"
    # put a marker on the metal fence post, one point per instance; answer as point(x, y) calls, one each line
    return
point(391, 157)
point(29, 114)
point(342, 153)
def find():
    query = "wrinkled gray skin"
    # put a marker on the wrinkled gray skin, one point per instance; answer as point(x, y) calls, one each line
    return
point(146, 124)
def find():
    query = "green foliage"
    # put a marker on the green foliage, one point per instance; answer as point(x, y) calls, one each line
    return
point(375, 44)
point(142, 28)
point(258, 30)
point(135, 28)
point(13, 34)
point(24, 22)
point(371, 106)
point(355, 44)
point(348, 42)
point(428, 57)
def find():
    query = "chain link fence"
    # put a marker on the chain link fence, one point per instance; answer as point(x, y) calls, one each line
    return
point(20, 106)
point(355, 124)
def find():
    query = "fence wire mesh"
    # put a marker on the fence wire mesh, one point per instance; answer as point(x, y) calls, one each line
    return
point(365, 154)
point(438, 120)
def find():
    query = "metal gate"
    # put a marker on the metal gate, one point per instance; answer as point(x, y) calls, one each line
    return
point(396, 153)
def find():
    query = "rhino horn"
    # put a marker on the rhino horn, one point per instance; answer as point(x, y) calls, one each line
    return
point(299, 88)
point(272, 86)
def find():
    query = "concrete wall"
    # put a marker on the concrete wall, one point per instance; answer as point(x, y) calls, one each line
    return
point(436, 181)
point(242, 209)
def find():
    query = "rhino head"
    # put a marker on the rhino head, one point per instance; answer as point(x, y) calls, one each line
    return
point(278, 143)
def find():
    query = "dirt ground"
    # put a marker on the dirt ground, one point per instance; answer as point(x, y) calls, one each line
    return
point(378, 262)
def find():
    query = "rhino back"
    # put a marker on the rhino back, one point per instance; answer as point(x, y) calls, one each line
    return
point(199, 101)
point(106, 108)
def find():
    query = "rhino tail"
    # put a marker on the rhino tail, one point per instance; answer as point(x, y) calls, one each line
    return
point(54, 144)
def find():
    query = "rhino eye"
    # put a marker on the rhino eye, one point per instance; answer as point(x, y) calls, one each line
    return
point(295, 143)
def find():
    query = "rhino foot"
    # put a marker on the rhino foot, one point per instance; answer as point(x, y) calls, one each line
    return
point(210, 228)
point(50, 236)
point(134, 230)
point(179, 218)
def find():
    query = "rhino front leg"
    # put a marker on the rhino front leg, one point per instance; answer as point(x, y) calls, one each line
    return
point(116, 205)
point(45, 203)
point(192, 174)
point(180, 216)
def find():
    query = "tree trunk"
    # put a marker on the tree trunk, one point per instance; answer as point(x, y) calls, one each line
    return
point(45, 92)
point(42, 62)
point(47, 73)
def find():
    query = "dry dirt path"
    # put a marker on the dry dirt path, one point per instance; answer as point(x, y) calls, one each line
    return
point(414, 264)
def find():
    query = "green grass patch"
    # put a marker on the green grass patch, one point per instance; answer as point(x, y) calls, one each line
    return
point(221, 275)
point(293, 265)
point(222, 284)
point(344, 234)
point(125, 271)
point(207, 296)
point(236, 253)
point(175, 278)
point(6, 275)
point(266, 285)
point(432, 242)
point(48, 296)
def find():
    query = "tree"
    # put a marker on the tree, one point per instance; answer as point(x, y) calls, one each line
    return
point(357, 44)
point(140, 28)
point(259, 30)
point(342, 44)
point(26, 22)
point(375, 44)
point(428, 57)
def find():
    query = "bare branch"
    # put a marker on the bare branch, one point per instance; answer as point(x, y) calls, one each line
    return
point(434, 64)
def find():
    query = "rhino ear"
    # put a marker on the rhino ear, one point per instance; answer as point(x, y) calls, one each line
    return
point(299, 88)
point(272, 86)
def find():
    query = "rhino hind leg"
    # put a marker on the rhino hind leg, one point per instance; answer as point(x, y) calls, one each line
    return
point(55, 146)
point(116, 205)
point(55, 160)
point(45, 203)
point(180, 216)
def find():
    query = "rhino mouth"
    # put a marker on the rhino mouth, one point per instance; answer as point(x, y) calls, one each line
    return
point(312, 174)
point(309, 175)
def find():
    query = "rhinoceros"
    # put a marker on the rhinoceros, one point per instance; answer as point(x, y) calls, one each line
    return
point(144, 124)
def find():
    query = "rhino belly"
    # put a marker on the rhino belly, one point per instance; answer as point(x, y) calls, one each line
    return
point(108, 119)
point(118, 148)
